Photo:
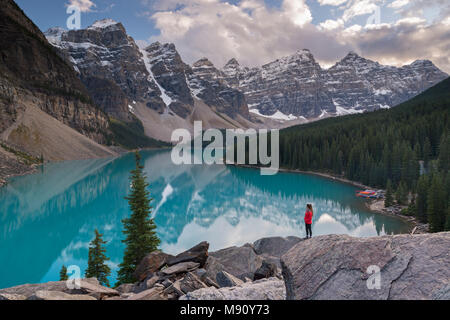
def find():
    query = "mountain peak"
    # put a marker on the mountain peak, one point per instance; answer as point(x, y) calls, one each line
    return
point(203, 62)
point(232, 63)
point(104, 23)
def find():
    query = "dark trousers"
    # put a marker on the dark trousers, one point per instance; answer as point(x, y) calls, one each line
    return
point(308, 229)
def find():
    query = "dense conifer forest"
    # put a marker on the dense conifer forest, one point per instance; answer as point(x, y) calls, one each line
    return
point(405, 149)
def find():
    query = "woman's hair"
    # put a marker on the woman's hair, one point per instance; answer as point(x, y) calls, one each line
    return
point(309, 206)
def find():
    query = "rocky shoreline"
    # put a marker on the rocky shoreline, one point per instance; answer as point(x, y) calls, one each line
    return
point(324, 267)
point(417, 227)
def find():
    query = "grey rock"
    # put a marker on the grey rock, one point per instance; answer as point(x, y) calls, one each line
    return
point(198, 254)
point(191, 282)
point(264, 289)
point(11, 296)
point(87, 286)
point(58, 295)
point(267, 270)
point(442, 294)
point(336, 267)
point(155, 293)
point(150, 264)
point(224, 279)
point(174, 289)
point(275, 246)
point(125, 288)
point(201, 273)
point(166, 283)
point(180, 268)
point(241, 262)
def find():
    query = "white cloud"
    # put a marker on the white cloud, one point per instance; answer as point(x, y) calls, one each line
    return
point(411, 20)
point(359, 8)
point(256, 34)
point(398, 4)
point(331, 24)
point(84, 5)
point(331, 2)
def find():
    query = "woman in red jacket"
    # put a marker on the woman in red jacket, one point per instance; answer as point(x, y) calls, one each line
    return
point(308, 220)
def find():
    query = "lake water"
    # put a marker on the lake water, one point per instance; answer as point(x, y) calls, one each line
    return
point(47, 219)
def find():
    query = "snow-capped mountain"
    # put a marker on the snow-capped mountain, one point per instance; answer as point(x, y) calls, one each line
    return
point(158, 87)
point(121, 78)
point(110, 64)
point(297, 85)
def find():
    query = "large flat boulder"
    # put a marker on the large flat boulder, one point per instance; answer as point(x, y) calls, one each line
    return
point(264, 289)
point(342, 267)
point(86, 286)
point(58, 295)
point(241, 262)
point(275, 246)
point(198, 254)
point(182, 267)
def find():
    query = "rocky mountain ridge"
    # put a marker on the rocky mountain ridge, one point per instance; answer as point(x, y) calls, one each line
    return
point(291, 88)
point(297, 85)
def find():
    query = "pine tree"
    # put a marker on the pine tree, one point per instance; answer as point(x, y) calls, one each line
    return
point(63, 276)
point(421, 199)
point(447, 222)
point(139, 228)
point(96, 261)
point(388, 200)
point(436, 205)
point(402, 194)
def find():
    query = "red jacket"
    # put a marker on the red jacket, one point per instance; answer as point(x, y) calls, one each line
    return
point(308, 217)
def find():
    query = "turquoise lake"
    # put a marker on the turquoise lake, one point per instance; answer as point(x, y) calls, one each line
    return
point(47, 219)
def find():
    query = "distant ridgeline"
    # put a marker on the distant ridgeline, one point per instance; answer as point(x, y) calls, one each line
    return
point(385, 148)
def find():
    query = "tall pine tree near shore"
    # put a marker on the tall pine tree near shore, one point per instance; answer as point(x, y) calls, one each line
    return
point(139, 228)
point(96, 261)
point(389, 199)
point(63, 276)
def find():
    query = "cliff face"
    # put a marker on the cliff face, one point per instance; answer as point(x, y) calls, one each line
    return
point(30, 69)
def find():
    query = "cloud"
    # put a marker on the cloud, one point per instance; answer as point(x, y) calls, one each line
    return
point(84, 5)
point(357, 8)
point(256, 34)
point(398, 4)
point(331, 2)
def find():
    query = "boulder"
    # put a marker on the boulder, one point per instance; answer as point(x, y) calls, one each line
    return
point(126, 288)
point(87, 286)
point(155, 293)
point(411, 267)
point(275, 246)
point(213, 266)
point(58, 295)
point(267, 270)
point(198, 254)
point(174, 289)
point(224, 279)
point(442, 293)
point(150, 264)
point(180, 268)
point(264, 289)
point(191, 282)
point(11, 296)
point(239, 261)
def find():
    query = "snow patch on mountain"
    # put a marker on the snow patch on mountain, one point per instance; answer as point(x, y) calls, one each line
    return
point(276, 116)
point(164, 96)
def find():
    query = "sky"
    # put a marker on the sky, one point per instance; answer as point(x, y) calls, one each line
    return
point(255, 32)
